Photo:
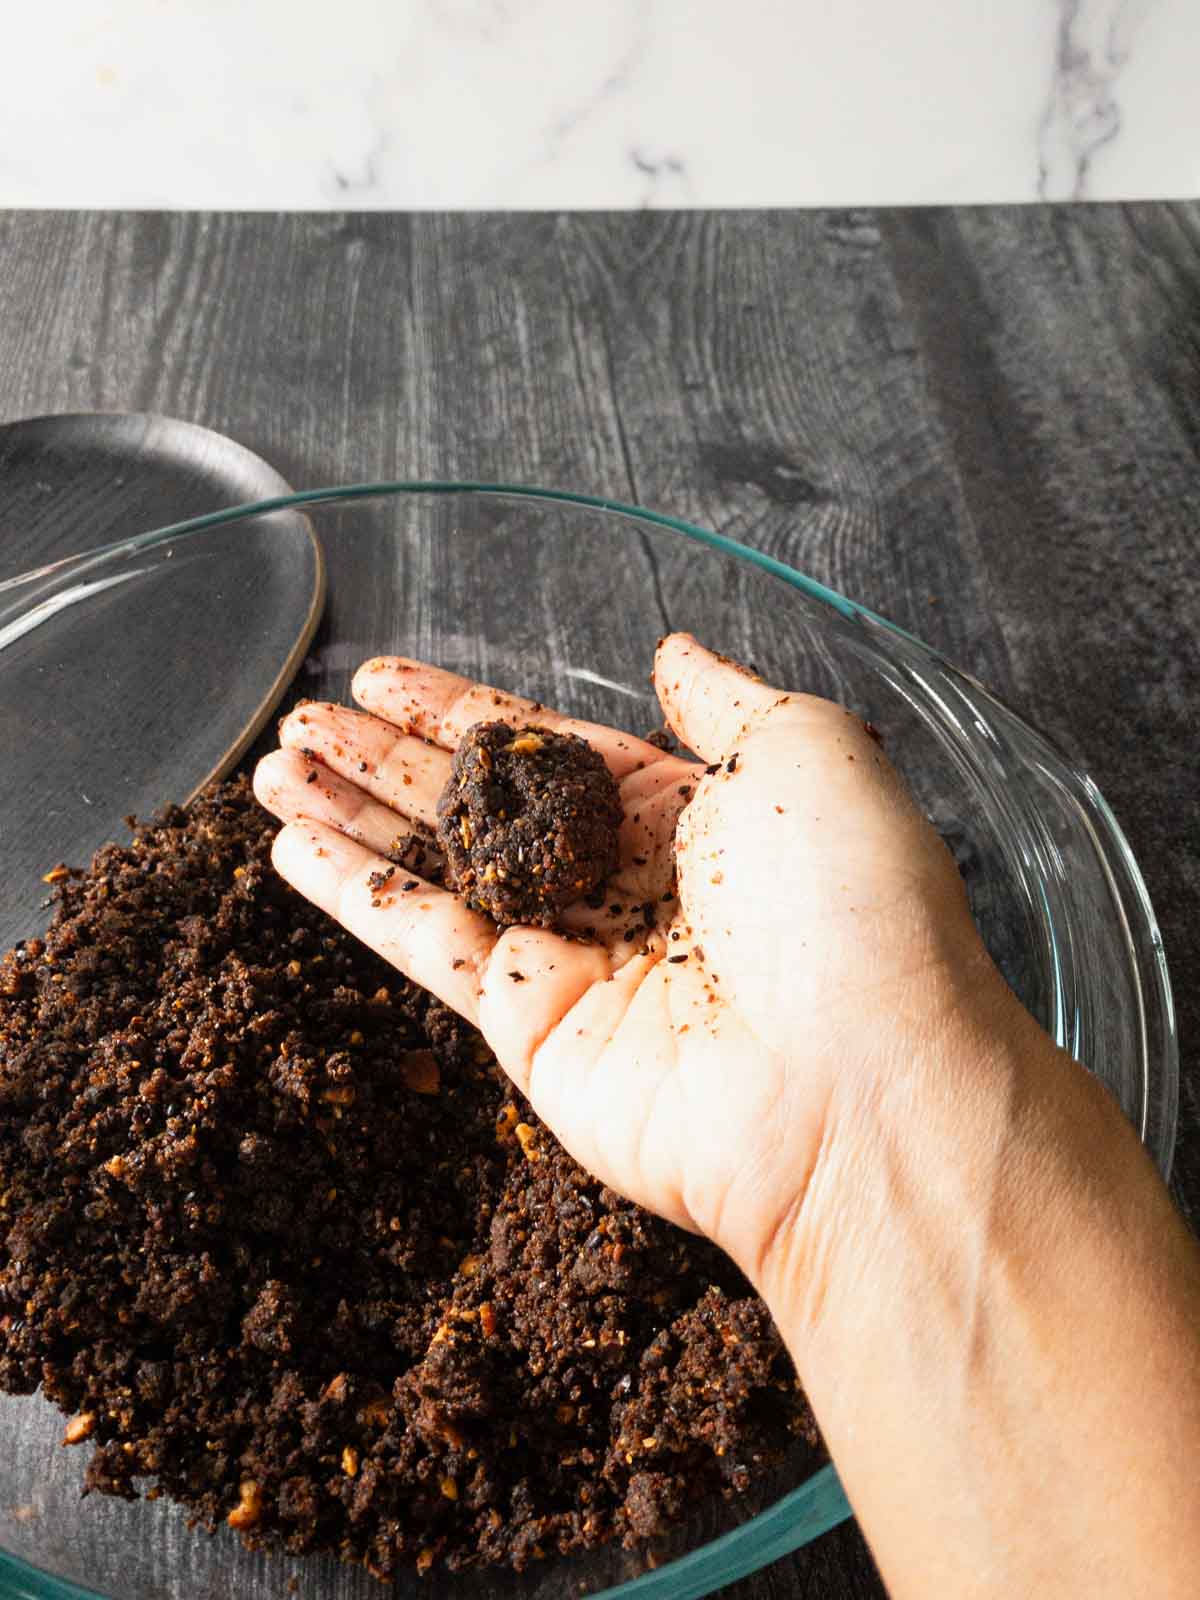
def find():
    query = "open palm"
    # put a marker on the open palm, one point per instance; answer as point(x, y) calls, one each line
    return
point(774, 907)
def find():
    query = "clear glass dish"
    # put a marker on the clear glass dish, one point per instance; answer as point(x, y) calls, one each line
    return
point(563, 597)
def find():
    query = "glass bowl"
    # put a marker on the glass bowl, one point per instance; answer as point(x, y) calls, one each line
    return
point(562, 597)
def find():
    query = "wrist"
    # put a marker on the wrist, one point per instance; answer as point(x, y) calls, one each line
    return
point(917, 1133)
point(992, 1306)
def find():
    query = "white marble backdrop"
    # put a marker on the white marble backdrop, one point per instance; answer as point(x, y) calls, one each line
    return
point(576, 103)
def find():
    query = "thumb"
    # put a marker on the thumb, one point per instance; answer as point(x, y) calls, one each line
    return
point(708, 700)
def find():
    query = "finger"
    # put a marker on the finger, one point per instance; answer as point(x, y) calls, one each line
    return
point(652, 800)
point(532, 980)
point(607, 1082)
point(709, 701)
point(425, 932)
point(292, 786)
point(405, 773)
point(441, 706)
point(515, 985)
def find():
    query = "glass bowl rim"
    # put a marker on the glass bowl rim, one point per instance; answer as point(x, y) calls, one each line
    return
point(819, 1503)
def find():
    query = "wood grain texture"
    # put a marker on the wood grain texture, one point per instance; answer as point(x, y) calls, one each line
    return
point(985, 424)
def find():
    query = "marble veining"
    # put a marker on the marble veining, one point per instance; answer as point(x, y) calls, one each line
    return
point(666, 175)
point(537, 104)
point(368, 177)
point(1095, 41)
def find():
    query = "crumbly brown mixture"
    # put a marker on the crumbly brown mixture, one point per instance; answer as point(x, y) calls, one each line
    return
point(284, 1243)
point(528, 821)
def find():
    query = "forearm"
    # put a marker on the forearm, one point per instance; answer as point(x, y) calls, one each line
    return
point(996, 1313)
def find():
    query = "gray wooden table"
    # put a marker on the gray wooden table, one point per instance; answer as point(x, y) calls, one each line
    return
point(984, 423)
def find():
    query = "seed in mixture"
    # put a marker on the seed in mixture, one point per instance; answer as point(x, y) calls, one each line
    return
point(80, 1428)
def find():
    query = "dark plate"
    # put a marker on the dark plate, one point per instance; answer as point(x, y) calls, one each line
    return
point(146, 689)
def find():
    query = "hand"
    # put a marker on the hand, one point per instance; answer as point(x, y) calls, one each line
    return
point(810, 926)
point(838, 1087)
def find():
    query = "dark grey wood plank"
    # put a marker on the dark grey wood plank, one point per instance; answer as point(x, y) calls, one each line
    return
point(984, 424)
point(770, 383)
point(1064, 356)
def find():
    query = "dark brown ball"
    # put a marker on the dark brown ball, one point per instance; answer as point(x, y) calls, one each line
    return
point(528, 821)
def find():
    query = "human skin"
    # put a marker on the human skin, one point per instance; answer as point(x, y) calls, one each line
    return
point(990, 1300)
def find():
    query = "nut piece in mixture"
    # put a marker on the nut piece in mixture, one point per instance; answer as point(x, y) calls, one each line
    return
point(528, 822)
point(249, 1509)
